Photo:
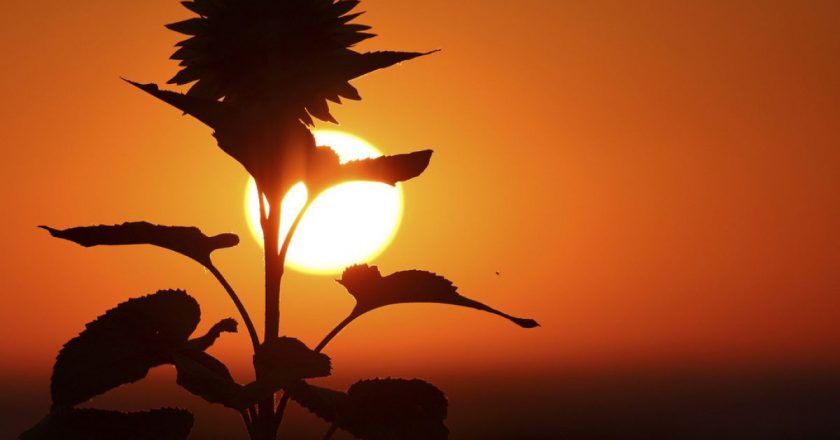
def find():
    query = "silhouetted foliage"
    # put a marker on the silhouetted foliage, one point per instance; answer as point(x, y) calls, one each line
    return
point(280, 363)
point(325, 170)
point(296, 52)
point(396, 408)
point(323, 402)
point(372, 291)
point(189, 241)
point(206, 377)
point(260, 71)
point(318, 168)
point(275, 63)
point(287, 359)
point(122, 345)
point(380, 409)
point(227, 325)
point(90, 424)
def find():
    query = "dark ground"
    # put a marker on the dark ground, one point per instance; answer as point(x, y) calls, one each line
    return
point(747, 405)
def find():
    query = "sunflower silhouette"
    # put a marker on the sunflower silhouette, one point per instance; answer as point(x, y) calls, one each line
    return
point(261, 69)
point(258, 72)
point(289, 55)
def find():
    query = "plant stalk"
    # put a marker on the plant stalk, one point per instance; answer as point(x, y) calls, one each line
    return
point(265, 428)
point(328, 435)
point(252, 331)
point(287, 240)
point(273, 270)
point(246, 417)
point(274, 275)
point(353, 315)
point(281, 407)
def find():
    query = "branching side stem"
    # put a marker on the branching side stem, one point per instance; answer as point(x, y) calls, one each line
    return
point(252, 331)
point(328, 435)
point(353, 315)
point(287, 240)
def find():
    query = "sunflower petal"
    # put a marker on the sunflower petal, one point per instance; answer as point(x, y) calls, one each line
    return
point(191, 26)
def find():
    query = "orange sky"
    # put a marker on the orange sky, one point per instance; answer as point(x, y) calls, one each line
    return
point(656, 184)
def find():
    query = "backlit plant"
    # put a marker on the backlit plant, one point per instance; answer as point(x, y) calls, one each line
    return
point(259, 72)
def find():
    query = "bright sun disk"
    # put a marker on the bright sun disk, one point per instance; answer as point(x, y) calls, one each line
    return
point(347, 224)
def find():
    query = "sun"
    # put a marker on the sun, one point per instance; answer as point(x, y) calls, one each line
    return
point(347, 224)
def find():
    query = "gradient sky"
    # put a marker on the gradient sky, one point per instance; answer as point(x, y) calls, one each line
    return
point(656, 184)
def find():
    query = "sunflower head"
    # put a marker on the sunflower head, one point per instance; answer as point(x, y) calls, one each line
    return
point(289, 55)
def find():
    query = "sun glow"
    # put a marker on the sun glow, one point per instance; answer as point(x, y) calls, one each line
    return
point(347, 224)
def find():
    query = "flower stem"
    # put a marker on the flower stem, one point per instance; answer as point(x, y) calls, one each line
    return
point(270, 222)
point(273, 270)
point(284, 249)
point(353, 315)
point(328, 435)
point(281, 407)
point(246, 417)
point(252, 331)
point(287, 240)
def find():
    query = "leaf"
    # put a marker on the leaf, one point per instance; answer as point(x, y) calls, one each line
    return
point(359, 64)
point(189, 241)
point(323, 402)
point(281, 362)
point(380, 409)
point(395, 408)
point(227, 325)
point(121, 346)
point(87, 424)
point(271, 147)
point(372, 291)
point(288, 359)
point(325, 169)
point(212, 113)
point(206, 377)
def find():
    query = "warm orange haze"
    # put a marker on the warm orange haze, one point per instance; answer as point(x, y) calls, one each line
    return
point(658, 184)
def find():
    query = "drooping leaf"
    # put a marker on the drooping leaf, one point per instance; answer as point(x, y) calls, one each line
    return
point(279, 363)
point(121, 346)
point(89, 424)
point(380, 409)
point(188, 241)
point(212, 113)
point(323, 402)
point(325, 169)
point(272, 145)
point(227, 325)
point(206, 377)
point(372, 291)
